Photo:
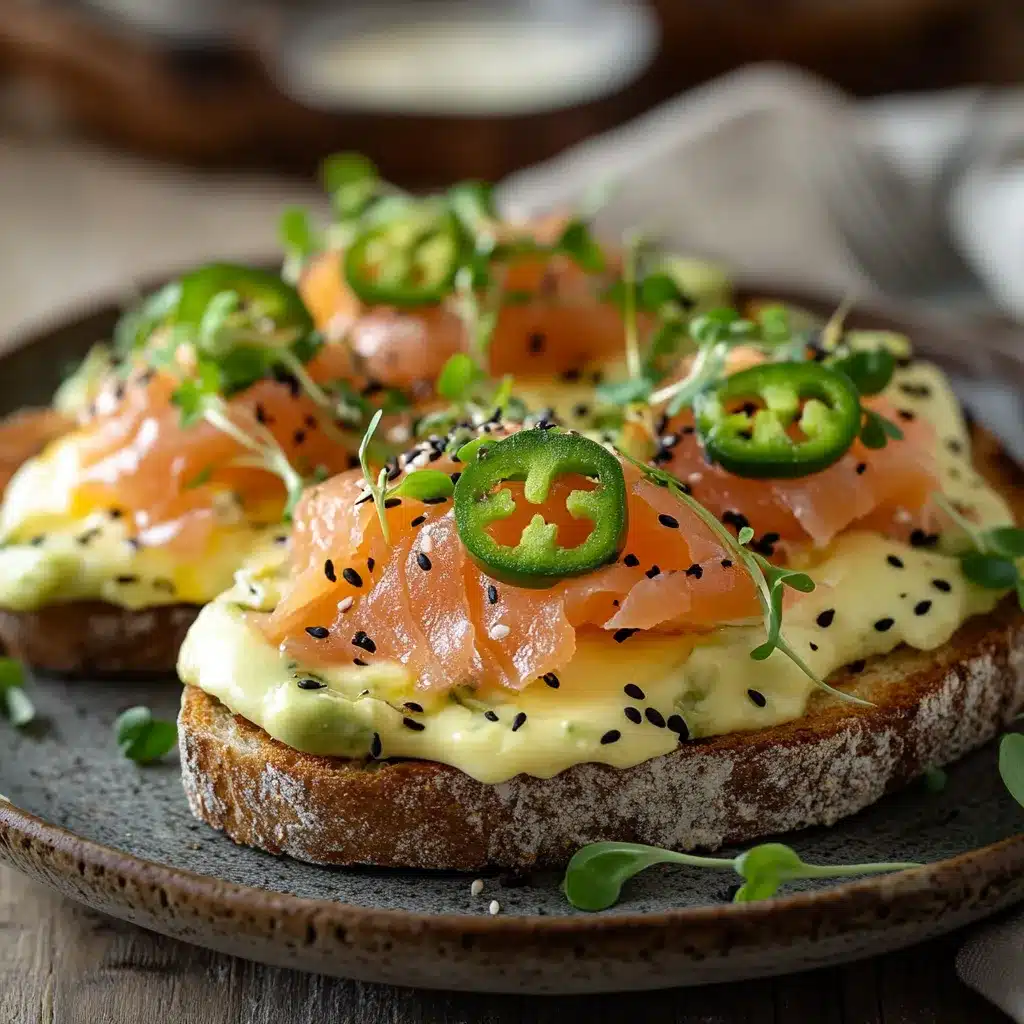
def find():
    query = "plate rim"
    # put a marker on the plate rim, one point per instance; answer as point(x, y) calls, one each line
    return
point(998, 866)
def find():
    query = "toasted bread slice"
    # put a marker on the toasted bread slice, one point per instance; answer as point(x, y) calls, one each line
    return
point(930, 708)
point(93, 638)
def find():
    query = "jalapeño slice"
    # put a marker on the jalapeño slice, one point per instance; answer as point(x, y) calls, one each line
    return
point(263, 294)
point(779, 420)
point(538, 457)
point(408, 260)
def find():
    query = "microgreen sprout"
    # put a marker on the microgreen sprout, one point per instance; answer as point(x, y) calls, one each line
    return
point(13, 699)
point(769, 580)
point(595, 875)
point(1011, 764)
point(143, 738)
point(991, 559)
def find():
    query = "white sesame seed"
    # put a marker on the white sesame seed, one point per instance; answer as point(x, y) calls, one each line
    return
point(695, 478)
point(903, 516)
point(477, 887)
point(426, 544)
point(494, 908)
point(399, 433)
point(420, 460)
point(499, 632)
point(345, 603)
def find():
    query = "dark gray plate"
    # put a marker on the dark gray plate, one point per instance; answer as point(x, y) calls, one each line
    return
point(120, 838)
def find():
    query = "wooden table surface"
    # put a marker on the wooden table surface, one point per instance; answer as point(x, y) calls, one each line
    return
point(63, 964)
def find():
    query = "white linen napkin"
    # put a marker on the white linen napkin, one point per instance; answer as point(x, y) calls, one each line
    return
point(742, 170)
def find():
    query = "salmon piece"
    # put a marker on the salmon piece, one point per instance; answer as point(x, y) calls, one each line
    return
point(25, 433)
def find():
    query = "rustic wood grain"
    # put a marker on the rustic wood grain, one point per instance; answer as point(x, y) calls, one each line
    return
point(63, 964)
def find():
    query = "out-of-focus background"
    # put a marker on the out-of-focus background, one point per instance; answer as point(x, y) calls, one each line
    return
point(140, 135)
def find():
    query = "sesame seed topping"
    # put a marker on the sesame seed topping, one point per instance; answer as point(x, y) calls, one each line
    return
point(551, 680)
point(669, 521)
point(477, 887)
point(375, 745)
point(634, 691)
point(920, 539)
point(423, 562)
point(826, 618)
point(678, 725)
point(311, 684)
point(906, 415)
point(411, 723)
point(695, 570)
point(631, 560)
point(861, 468)
point(622, 635)
point(492, 593)
point(127, 579)
point(726, 563)
point(362, 640)
point(535, 342)
point(352, 577)
point(922, 607)
point(426, 543)
point(652, 572)
point(944, 585)
point(418, 521)
point(318, 632)
point(329, 571)
point(611, 736)
point(345, 603)
point(813, 646)
point(370, 563)
point(519, 721)
point(434, 501)
point(655, 717)
point(884, 625)
point(633, 714)
point(498, 631)
point(392, 502)
point(494, 908)
point(411, 705)
point(895, 561)
point(757, 698)
point(491, 716)
point(299, 436)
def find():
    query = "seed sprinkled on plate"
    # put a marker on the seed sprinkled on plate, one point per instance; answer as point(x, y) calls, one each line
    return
point(477, 887)
point(494, 908)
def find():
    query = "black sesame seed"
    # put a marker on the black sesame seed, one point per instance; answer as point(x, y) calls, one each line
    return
point(329, 571)
point(518, 721)
point(757, 698)
point(944, 585)
point(655, 717)
point(551, 679)
point(634, 691)
point(455, 477)
point(678, 725)
point(670, 521)
point(915, 390)
point(633, 714)
point(535, 342)
point(418, 521)
point(857, 666)
point(115, 513)
point(954, 446)
point(423, 562)
point(392, 502)
point(726, 563)
point(826, 618)
point(310, 421)
point(906, 415)
point(861, 468)
point(127, 579)
point(920, 539)
point(580, 410)
point(884, 625)
point(370, 563)
point(88, 536)
point(736, 519)
point(813, 646)
point(359, 662)
point(352, 577)
point(299, 436)
point(411, 723)
point(311, 684)
point(571, 375)
point(363, 641)
point(611, 736)
point(631, 560)
point(38, 540)
point(434, 501)
point(261, 413)
point(375, 745)
point(621, 635)
point(895, 561)
point(318, 632)
point(411, 705)
point(492, 594)
point(922, 607)
point(491, 716)
point(652, 572)
point(696, 571)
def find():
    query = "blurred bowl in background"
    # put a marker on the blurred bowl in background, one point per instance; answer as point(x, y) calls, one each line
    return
point(459, 58)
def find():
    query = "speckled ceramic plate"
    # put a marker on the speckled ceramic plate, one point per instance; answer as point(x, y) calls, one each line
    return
point(119, 838)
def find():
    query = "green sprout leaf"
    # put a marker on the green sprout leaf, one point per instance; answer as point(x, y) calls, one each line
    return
point(1011, 764)
point(16, 704)
point(990, 571)
point(423, 485)
point(1005, 540)
point(625, 392)
point(143, 738)
point(579, 244)
point(876, 430)
point(351, 180)
point(298, 239)
point(457, 377)
point(375, 486)
point(136, 326)
point(745, 536)
point(869, 369)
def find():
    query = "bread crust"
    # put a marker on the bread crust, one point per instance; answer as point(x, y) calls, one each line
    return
point(930, 708)
point(93, 638)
